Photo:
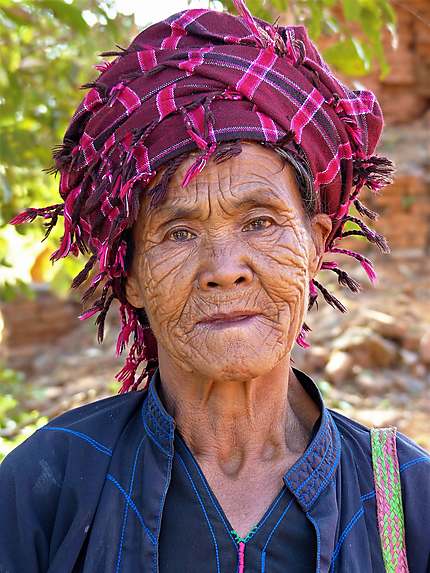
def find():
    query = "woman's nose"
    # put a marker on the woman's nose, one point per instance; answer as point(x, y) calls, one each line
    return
point(225, 270)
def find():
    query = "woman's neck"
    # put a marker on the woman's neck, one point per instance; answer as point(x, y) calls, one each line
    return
point(234, 425)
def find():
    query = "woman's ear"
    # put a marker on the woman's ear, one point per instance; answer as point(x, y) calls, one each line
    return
point(133, 292)
point(321, 226)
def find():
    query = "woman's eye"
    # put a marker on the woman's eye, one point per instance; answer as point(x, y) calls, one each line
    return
point(260, 223)
point(180, 235)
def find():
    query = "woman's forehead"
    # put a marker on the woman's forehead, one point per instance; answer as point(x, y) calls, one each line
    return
point(257, 177)
point(256, 174)
point(254, 160)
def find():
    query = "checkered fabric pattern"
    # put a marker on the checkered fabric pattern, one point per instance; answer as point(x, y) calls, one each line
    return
point(192, 82)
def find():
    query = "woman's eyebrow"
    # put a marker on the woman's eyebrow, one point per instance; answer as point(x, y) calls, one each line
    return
point(259, 200)
point(262, 200)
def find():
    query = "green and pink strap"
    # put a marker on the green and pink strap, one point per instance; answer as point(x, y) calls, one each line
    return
point(389, 499)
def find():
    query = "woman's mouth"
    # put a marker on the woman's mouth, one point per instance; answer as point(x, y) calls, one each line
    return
point(228, 321)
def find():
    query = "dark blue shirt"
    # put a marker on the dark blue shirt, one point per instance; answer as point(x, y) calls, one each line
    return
point(112, 487)
point(193, 518)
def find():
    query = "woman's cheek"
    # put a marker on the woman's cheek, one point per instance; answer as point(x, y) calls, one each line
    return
point(282, 268)
point(167, 282)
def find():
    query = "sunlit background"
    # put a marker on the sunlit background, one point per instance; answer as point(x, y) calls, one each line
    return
point(148, 12)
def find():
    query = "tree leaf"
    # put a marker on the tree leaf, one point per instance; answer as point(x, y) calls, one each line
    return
point(65, 13)
point(351, 10)
point(345, 57)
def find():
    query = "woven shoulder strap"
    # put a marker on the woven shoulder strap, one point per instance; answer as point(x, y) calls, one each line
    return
point(389, 499)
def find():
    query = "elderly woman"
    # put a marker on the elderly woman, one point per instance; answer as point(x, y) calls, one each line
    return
point(207, 171)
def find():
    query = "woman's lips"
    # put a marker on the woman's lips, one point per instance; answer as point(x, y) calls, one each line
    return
point(229, 321)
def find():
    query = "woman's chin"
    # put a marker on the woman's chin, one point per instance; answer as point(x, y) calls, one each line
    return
point(236, 362)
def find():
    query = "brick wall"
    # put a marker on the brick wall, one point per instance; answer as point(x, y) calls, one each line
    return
point(405, 93)
point(404, 96)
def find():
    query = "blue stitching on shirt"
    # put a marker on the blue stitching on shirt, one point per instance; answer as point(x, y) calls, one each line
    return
point(312, 474)
point(307, 453)
point(367, 496)
point(263, 561)
point(402, 468)
point(163, 432)
point(328, 477)
point(312, 520)
point(158, 404)
point(154, 439)
point(148, 412)
point(407, 465)
point(202, 479)
point(263, 552)
point(275, 503)
point(94, 443)
point(143, 409)
point(204, 511)
point(345, 532)
point(133, 507)
point(162, 500)
point(125, 514)
point(154, 401)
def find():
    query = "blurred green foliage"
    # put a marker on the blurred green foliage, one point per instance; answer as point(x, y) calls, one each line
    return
point(47, 50)
point(16, 423)
point(356, 27)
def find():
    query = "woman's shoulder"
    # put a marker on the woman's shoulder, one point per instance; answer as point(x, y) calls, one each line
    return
point(357, 436)
point(51, 483)
point(414, 467)
point(96, 425)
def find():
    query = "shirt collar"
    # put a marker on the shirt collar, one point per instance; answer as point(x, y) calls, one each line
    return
point(310, 474)
point(314, 470)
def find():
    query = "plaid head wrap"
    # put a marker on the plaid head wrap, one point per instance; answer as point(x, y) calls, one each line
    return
point(192, 83)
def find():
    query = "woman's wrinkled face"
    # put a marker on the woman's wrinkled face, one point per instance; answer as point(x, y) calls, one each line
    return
point(235, 240)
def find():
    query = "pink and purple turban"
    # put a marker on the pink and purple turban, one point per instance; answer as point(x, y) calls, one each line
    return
point(195, 83)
